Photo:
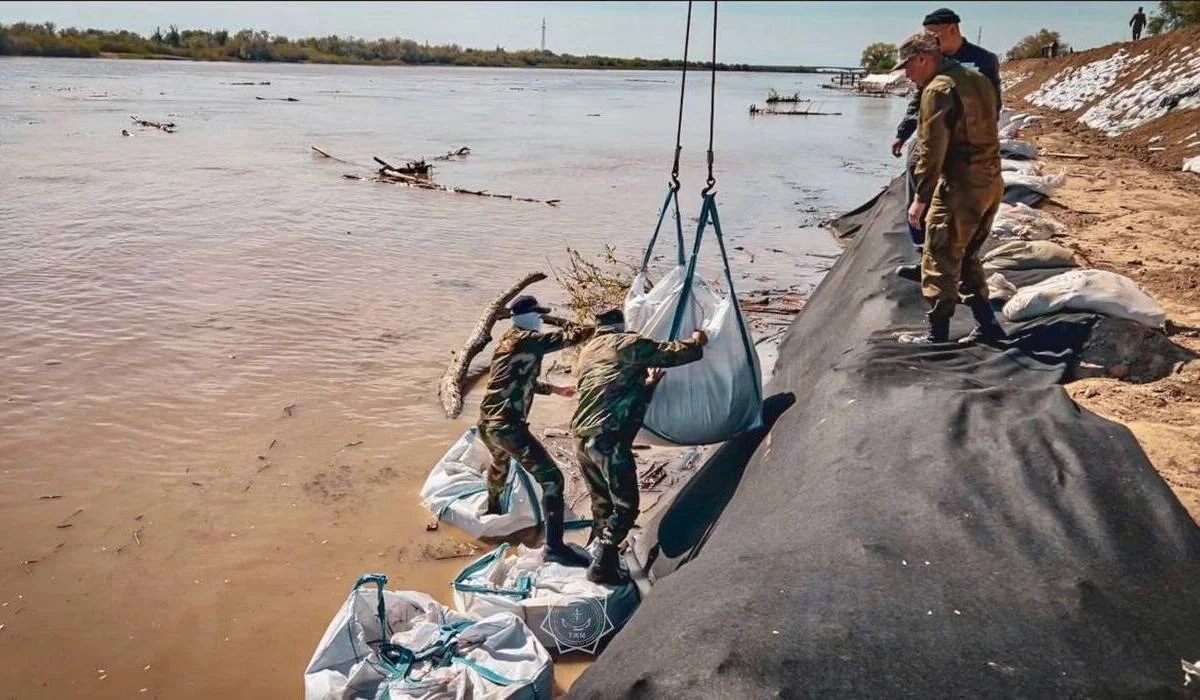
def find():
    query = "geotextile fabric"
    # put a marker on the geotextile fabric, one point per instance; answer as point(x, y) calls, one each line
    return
point(923, 521)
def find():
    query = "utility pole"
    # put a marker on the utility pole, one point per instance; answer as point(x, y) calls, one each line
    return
point(543, 34)
point(978, 39)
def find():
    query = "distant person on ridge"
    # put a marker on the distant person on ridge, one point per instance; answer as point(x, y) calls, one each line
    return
point(504, 415)
point(943, 22)
point(1138, 22)
point(614, 391)
point(958, 187)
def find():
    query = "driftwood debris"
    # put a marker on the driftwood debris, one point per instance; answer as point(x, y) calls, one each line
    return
point(398, 178)
point(412, 167)
point(455, 154)
point(1075, 156)
point(276, 99)
point(450, 388)
point(264, 82)
point(755, 110)
point(168, 127)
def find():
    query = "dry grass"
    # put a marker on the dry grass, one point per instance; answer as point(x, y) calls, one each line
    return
point(596, 284)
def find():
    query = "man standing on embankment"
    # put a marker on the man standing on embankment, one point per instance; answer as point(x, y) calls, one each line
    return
point(944, 23)
point(1137, 23)
point(957, 187)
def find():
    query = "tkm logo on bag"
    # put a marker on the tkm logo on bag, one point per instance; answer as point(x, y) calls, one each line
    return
point(578, 625)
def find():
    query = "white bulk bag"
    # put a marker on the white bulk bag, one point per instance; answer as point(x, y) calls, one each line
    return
point(1028, 255)
point(717, 397)
point(565, 610)
point(431, 652)
point(1045, 184)
point(456, 492)
point(1099, 291)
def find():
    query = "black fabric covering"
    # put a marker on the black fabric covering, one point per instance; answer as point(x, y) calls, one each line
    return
point(1020, 194)
point(927, 522)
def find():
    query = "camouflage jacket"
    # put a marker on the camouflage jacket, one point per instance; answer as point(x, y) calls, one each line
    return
point(612, 377)
point(969, 55)
point(958, 141)
point(516, 365)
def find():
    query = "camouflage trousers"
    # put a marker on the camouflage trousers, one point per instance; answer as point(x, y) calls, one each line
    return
point(507, 441)
point(955, 231)
point(610, 470)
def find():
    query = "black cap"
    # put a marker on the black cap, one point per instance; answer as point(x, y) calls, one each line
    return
point(610, 317)
point(527, 304)
point(942, 15)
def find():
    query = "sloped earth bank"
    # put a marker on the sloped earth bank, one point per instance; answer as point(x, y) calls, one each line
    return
point(935, 521)
point(1140, 99)
point(1127, 214)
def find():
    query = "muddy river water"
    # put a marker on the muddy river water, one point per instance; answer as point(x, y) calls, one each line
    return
point(219, 358)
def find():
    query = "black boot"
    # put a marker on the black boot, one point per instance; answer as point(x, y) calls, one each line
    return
point(987, 328)
point(558, 551)
point(937, 329)
point(493, 505)
point(606, 568)
point(912, 273)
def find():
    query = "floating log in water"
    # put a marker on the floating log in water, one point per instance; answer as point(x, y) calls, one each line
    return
point(276, 99)
point(450, 388)
point(455, 154)
point(265, 82)
point(755, 109)
point(412, 167)
point(397, 178)
point(168, 127)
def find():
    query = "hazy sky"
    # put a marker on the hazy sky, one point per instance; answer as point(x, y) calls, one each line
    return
point(810, 33)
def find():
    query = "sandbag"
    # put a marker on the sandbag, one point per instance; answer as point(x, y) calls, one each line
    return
point(402, 644)
point(1192, 164)
point(1012, 148)
point(1025, 167)
point(565, 610)
point(707, 401)
point(1023, 221)
point(1045, 184)
point(456, 492)
point(1028, 255)
point(999, 288)
point(1098, 291)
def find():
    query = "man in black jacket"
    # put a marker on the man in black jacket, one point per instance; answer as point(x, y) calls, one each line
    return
point(944, 23)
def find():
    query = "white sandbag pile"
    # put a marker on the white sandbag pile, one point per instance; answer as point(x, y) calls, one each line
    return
point(1000, 288)
point(1045, 184)
point(403, 644)
point(707, 401)
point(1023, 221)
point(1192, 165)
point(565, 610)
point(1028, 255)
point(1012, 128)
point(456, 492)
point(1072, 88)
point(1097, 291)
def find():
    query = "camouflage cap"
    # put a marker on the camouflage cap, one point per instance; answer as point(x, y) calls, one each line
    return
point(915, 45)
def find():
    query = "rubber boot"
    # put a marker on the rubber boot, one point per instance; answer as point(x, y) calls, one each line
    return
point(556, 550)
point(987, 328)
point(937, 329)
point(912, 273)
point(606, 568)
point(493, 505)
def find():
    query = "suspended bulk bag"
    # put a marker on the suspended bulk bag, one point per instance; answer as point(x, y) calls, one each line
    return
point(721, 395)
point(565, 610)
point(388, 645)
point(456, 492)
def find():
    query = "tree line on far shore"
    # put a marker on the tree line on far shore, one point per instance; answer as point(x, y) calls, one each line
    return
point(1171, 15)
point(25, 39)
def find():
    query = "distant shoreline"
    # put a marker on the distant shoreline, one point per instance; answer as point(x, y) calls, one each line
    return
point(401, 64)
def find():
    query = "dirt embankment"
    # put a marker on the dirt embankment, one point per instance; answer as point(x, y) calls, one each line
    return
point(1140, 99)
point(1131, 210)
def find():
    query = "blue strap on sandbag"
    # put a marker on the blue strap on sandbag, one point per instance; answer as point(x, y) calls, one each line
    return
point(672, 198)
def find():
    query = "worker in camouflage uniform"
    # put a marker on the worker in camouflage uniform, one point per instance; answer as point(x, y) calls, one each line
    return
point(614, 390)
point(958, 186)
point(504, 414)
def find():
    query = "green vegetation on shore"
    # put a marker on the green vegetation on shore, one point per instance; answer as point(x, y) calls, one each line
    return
point(24, 39)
